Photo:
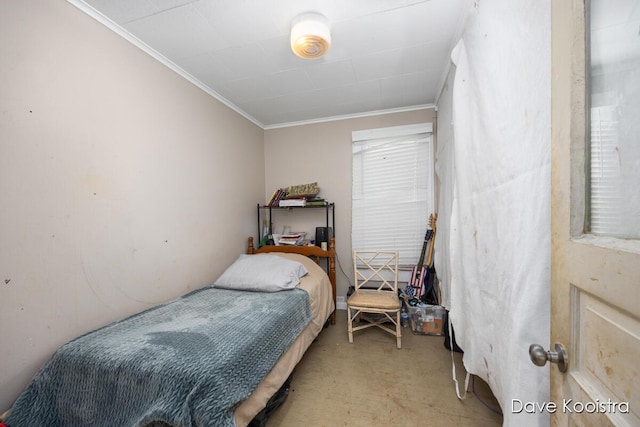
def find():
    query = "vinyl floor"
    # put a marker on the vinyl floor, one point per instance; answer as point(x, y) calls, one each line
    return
point(372, 383)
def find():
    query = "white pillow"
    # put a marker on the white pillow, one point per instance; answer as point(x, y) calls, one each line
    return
point(261, 272)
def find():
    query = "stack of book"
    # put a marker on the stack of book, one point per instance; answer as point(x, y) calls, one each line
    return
point(280, 198)
point(292, 239)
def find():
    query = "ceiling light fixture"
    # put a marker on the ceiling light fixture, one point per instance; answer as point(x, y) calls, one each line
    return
point(310, 35)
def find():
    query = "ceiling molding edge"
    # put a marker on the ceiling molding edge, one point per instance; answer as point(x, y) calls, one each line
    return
point(351, 116)
point(93, 13)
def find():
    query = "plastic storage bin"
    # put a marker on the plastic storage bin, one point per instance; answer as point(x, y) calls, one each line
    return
point(427, 319)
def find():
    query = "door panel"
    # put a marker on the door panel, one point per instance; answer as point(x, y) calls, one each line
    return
point(607, 341)
point(595, 280)
point(601, 269)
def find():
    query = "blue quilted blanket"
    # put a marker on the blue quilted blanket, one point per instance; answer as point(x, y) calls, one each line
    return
point(189, 362)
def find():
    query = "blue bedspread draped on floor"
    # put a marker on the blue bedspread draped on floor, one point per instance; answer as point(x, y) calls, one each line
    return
point(186, 363)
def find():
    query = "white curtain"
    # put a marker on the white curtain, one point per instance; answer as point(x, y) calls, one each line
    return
point(493, 166)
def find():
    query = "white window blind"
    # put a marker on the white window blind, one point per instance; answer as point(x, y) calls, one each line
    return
point(606, 179)
point(393, 189)
point(614, 89)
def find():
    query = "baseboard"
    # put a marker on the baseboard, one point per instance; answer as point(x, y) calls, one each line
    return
point(341, 303)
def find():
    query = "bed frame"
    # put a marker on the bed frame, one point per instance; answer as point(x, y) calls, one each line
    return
point(314, 252)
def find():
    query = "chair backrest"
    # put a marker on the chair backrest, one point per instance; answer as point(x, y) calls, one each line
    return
point(376, 270)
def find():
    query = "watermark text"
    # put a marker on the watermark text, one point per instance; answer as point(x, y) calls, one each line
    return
point(570, 406)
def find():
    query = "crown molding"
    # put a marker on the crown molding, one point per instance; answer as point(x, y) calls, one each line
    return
point(351, 116)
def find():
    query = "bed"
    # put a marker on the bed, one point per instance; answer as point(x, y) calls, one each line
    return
point(221, 355)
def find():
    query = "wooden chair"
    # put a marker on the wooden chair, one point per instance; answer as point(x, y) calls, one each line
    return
point(375, 301)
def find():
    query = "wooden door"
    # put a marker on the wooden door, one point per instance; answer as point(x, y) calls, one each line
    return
point(595, 304)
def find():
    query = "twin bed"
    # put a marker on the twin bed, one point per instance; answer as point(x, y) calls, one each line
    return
point(219, 356)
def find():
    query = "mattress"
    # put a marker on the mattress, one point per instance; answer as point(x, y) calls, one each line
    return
point(317, 284)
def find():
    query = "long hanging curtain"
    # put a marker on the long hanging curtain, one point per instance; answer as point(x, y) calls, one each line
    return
point(493, 256)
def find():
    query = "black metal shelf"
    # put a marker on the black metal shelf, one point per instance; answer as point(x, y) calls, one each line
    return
point(329, 206)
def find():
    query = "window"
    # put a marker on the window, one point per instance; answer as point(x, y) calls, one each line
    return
point(614, 127)
point(392, 189)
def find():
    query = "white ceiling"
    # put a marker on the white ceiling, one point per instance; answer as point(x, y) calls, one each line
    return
point(386, 55)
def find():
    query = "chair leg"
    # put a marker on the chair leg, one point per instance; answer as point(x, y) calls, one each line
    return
point(398, 330)
point(349, 325)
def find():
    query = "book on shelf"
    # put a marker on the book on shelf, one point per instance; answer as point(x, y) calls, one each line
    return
point(292, 239)
point(272, 198)
point(293, 202)
point(276, 197)
point(316, 201)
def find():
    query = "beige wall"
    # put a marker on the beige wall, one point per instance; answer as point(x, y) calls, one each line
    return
point(322, 152)
point(122, 184)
